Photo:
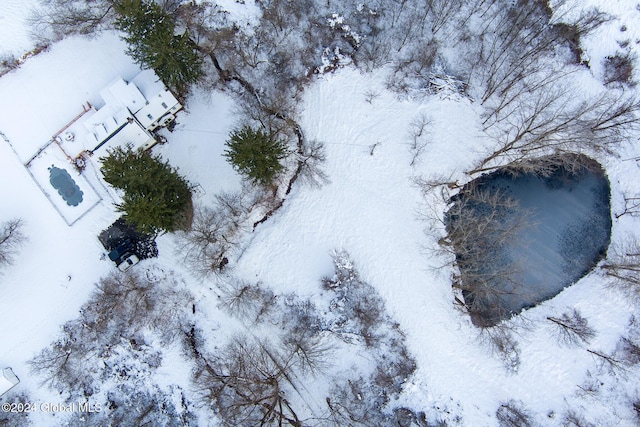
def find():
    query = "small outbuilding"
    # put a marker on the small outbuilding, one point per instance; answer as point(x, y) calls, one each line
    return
point(8, 380)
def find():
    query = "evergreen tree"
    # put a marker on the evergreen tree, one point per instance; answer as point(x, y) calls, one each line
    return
point(255, 154)
point(156, 197)
point(153, 43)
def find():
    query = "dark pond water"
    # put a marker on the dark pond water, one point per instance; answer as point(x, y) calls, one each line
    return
point(549, 232)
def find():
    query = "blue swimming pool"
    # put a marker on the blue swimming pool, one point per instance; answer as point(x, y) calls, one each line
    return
point(66, 186)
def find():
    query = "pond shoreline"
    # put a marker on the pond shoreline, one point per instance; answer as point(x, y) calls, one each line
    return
point(522, 235)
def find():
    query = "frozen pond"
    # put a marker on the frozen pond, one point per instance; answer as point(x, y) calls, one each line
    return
point(558, 228)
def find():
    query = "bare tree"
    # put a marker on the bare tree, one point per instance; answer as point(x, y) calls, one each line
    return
point(112, 329)
point(360, 400)
point(540, 81)
point(628, 347)
point(511, 47)
point(64, 364)
point(584, 22)
point(245, 384)
point(56, 19)
point(131, 406)
point(310, 160)
point(442, 12)
point(480, 225)
point(129, 303)
point(251, 302)
point(623, 266)
point(571, 164)
point(510, 44)
point(312, 352)
point(420, 136)
point(631, 206)
point(573, 419)
point(513, 73)
point(215, 232)
point(513, 414)
point(415, 68)
point(618, 69)
point(572, 328)
point(359, 307)
point(503, 344)
point(17, 418)
point(552, 121)
point(8, 62)
point(354, 403)
point(608, 360)
point(12, 238)
point(252, 382)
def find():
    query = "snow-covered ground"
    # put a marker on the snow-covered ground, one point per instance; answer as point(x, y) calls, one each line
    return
point(371, 208)
point(197, 143)
point(620, 35)
point(15, 37)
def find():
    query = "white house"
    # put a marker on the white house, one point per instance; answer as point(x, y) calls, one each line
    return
point(132, 110)
point(146, 97)
point(110, 127)
point(161, 105)
point(8, 380)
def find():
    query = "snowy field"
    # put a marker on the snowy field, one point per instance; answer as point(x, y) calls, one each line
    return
point(620, 35)
point(15, 36)
point(370, 208)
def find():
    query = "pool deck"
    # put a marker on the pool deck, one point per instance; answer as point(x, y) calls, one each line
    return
point(38, 168)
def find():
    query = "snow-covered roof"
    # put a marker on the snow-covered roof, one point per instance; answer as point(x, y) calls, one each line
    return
point(157, 107)
point(160, 100)
point(105, 122)
point(110, 127)
point(126, 95)
point(130, 134)
point(8, 380)
point(148, 83)
point(145, 96)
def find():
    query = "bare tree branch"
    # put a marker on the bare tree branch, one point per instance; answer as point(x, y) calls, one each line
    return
point(12, 238)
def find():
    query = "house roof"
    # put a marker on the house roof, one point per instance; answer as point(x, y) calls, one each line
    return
point(123, 94)
point(105, 122)
point(148, 83)
point(110, 127)
point(158, 106)
point(145, 96)
point(130, 134)
point(130, 112)
point(159, 99)
point(7, 380)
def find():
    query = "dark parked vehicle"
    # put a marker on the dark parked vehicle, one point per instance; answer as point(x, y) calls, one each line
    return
point(121, 250)
point(125, 246)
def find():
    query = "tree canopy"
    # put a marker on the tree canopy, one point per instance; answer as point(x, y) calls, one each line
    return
point(255, 154)
point(154, 42)
point(156, 198)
